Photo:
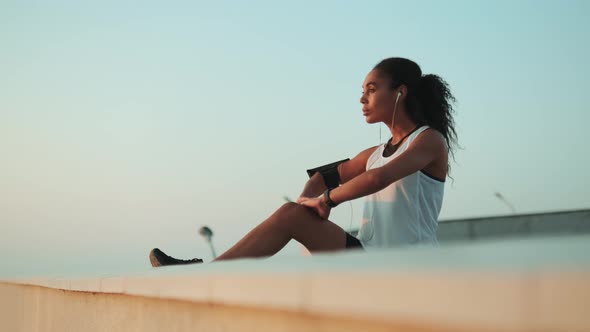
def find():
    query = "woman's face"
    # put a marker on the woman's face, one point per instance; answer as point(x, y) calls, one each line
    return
point(378, 98)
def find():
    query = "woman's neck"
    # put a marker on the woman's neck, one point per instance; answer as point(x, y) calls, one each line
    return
point(401, 129)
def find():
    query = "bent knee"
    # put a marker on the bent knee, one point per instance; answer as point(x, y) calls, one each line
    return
point(288, 209)
point(292, 212)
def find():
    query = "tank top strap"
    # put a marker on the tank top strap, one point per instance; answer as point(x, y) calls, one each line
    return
point(410, 139)
point(416, 133)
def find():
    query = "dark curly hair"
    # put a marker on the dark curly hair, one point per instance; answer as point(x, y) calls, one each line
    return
point(428, 101)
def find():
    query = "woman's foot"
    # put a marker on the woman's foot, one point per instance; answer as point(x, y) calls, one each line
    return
point(159, 258)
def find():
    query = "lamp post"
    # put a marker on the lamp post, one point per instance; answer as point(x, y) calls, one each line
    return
point(207, 233)
point(500, 197)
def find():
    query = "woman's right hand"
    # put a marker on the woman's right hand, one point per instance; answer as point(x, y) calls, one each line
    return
point(301, 199)
point(317, 205)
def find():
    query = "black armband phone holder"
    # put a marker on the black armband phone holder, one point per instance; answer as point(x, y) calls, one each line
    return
point(329, 173)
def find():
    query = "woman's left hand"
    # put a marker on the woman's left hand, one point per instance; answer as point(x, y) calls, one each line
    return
point(317, 205)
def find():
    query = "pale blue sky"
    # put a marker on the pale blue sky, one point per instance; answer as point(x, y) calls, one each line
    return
point(125, 126)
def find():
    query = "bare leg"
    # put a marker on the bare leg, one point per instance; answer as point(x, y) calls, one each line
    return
point(290, 221)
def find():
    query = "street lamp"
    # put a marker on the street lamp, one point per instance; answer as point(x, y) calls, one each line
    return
point(207, 233)
point(500, 197)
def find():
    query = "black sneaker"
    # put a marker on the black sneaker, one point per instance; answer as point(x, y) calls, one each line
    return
point(159, 258)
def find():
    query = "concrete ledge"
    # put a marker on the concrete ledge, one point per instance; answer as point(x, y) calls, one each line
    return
point(540, 286)
point(78, 311)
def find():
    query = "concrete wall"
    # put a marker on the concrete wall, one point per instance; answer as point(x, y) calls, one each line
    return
point(33, 308)
point(526, 225)
point(524, 285)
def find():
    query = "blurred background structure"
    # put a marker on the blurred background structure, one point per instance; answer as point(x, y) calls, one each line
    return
point(207, 233)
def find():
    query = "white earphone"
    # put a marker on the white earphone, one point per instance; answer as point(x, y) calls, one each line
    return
point(399, 93)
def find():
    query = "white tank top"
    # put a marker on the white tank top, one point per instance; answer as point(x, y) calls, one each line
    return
point(406, 212)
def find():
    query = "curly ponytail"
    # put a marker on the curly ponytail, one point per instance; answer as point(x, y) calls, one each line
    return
point(436, 105)
point(429, 100)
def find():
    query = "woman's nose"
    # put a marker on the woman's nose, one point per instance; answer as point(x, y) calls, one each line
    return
point(363, 99)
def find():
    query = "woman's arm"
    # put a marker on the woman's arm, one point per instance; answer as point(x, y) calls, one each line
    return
point(347, 170)
point(356, 166)
point(313, 187)
point(427, 148)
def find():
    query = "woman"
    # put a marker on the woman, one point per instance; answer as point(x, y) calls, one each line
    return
point(402, 181)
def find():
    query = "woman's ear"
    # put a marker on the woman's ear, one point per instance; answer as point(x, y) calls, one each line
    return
point(403, 89)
